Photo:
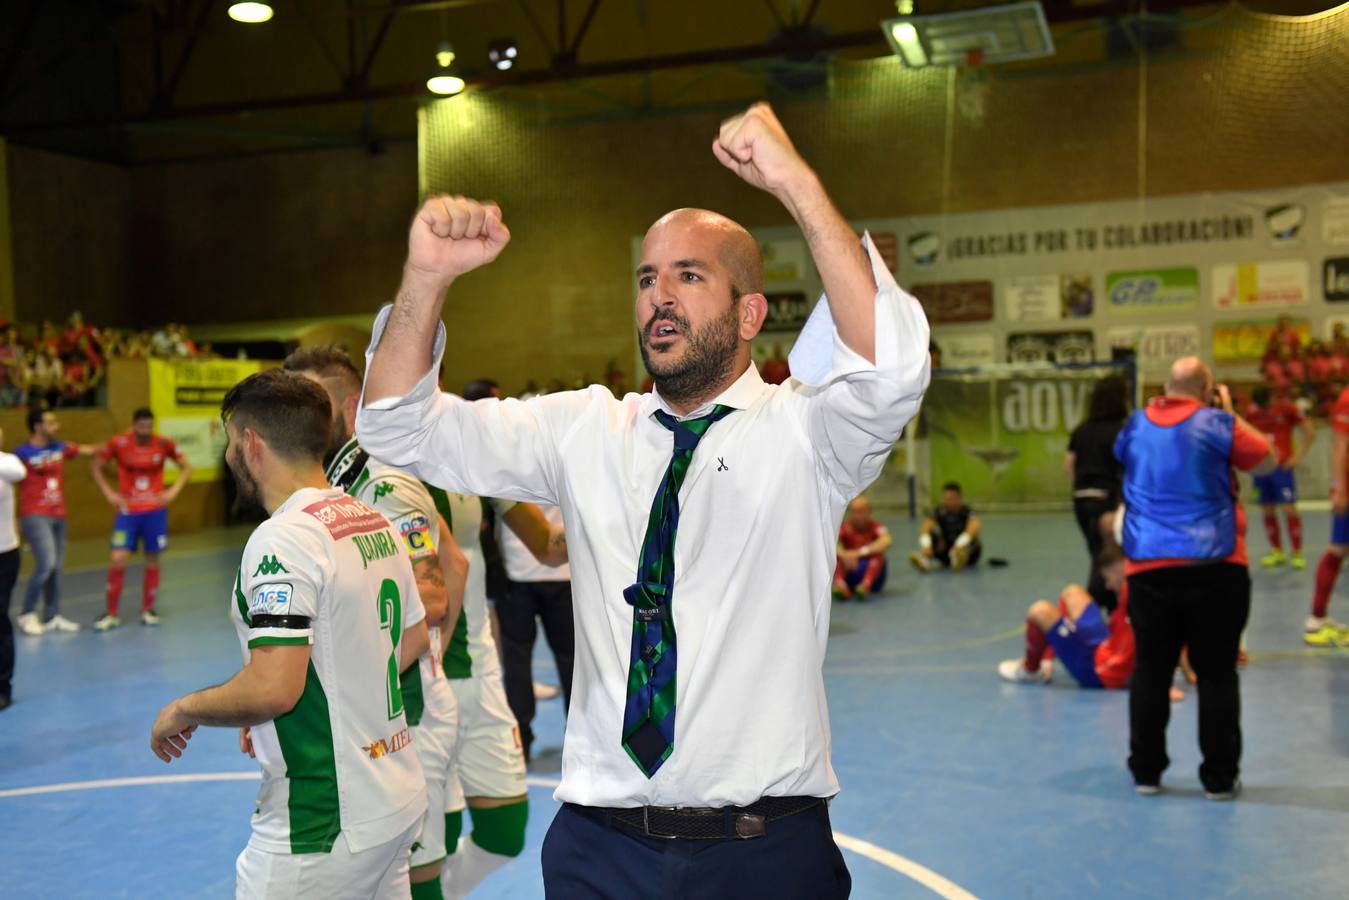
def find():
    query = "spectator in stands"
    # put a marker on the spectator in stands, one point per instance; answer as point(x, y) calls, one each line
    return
point(13, 381)
point(46, 377)
point(75, 330)
point(862, 542)
point(1097, 476)
point(949, 536)
point(48, 336)
point(1285, 335)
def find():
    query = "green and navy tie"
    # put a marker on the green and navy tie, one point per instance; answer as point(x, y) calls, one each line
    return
point(649, 714)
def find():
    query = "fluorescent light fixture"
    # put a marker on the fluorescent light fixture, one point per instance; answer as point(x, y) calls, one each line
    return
point(250, 13)
point(444, 84)
point(910, 48)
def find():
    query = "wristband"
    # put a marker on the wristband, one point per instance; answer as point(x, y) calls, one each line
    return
point(964, 540)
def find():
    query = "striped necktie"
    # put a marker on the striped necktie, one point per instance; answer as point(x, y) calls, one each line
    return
point(649, 714)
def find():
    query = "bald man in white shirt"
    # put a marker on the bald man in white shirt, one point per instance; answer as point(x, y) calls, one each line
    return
point(703, 772)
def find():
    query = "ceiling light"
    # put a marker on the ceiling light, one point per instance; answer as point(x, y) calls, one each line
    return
point(444, 84)
point(250, 13)
point(501, 53)
point(444, 55)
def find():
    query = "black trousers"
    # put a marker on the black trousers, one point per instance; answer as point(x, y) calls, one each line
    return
point(1089, 511)
point(584, 858)
point(1205, 609)
point(9, 574)
point(550, 603)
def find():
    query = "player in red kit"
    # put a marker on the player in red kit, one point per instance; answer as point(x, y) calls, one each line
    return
point(1320, 630)
point(142, 507)
point(862, 542)
point(1276, 417)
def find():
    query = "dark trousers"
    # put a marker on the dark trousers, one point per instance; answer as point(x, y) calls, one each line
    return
point(585, 858)
point(9, 573)
point(1089, 511)
point(1205, 609)
point(550, 602)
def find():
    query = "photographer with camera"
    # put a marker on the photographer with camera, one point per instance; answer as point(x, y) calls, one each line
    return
point(1184, 541)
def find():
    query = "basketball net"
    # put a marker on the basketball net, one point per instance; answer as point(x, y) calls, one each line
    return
point(972, 87)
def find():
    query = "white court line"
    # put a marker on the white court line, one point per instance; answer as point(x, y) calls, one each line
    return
point(942, 887)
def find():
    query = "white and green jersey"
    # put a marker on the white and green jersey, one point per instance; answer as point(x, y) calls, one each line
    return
point(327, 570)
point(470, 651)
point(405, 502)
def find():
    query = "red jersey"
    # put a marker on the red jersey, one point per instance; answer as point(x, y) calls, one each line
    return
point(852, 538)
point(43, 490)
point(1249, 448)
point(1276, 422)
point(1115, 655)
point(140, 468)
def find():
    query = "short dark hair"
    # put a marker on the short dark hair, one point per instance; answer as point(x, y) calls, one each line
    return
point(35, 418)
point(1109, 555)
point(326, 361)
point(480, 388)
point(143, 412)
point(289, 411)
point(952, 486)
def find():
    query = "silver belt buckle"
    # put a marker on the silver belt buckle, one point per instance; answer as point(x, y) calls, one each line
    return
point(646, 822)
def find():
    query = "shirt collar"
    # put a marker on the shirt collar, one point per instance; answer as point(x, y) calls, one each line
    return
point(1166, 402)
point(740, 395)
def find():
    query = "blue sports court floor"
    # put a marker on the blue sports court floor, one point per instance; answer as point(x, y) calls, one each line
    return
point(954, 783)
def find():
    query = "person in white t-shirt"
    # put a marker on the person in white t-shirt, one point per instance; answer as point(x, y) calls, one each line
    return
point(328, 615)
point(12, 471)
point(535, 591)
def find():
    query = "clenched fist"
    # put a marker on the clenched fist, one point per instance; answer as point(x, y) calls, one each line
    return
point(451, 235)
point(755, 146)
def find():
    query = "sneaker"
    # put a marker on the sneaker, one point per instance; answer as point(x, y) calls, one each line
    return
point(920, 562)
point(1275, 559)
point(6, 701)
point(1222, 796)
point(1299, 561)
point(29, 625)
point(960, 557)
point(1322, 632)
point(842, 591)
point(59, 622)
point(861, 593)
point(1015, 670)
point(149, 617)
point(106, 622)
point(1147, 789)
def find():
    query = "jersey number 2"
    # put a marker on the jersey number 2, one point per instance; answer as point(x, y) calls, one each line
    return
point(391, 620)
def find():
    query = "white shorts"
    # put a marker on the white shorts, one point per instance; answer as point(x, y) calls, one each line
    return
point(435, 745)
point(380, 871)
point(488, 760)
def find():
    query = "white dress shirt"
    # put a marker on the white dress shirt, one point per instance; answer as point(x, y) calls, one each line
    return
point(522, 566)
point(760, 510)
point(12, 471)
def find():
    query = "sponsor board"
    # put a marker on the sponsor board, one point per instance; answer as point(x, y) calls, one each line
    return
point(956, 301)
point(1277, 283)
point(1062, 347)
point(1246, 341)
point(1155, 347)
point(1152, 290)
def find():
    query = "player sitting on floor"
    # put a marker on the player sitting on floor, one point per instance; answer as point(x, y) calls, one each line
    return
point(1096, 652)
point(950, 535)
point(862, 542)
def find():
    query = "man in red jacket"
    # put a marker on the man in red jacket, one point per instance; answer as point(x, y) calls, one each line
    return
point(1097, 652)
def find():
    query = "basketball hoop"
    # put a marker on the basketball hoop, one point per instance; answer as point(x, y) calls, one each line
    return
point(972, 87)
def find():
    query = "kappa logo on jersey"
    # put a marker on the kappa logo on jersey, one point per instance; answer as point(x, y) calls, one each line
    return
point(383, 490)
point(416, 532)
point(271, 599)
point(269, 566)
point(381, 747)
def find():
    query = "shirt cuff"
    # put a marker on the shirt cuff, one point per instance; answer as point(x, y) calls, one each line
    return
point(820, 355)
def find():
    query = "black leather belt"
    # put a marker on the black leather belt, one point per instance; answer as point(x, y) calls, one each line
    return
point(698, 823)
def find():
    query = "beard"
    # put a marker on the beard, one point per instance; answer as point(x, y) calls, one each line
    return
point(244, 482)
point(338, 435)
point(707, 361)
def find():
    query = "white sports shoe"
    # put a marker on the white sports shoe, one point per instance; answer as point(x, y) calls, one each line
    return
point(149, 617)
point(59, 622)
point(106, 622)
point(1013, 670)
point(29, 625)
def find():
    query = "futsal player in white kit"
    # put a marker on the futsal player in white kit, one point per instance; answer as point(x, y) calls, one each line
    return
point(328, 615)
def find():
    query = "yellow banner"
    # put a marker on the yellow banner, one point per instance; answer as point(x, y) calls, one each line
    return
point(185, 396)
point(1243, 341)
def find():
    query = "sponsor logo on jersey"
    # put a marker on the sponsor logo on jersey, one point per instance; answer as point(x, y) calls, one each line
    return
point(271, 599)
point(269, 566)
point(416, 532)
point(344, 516)
point(379, 545)
point(383, 747)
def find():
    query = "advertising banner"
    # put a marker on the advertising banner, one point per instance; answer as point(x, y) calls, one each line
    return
point(185, 396)
point(1280, 283)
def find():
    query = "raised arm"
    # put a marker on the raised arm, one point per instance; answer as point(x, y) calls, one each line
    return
point(756, 147)
point(449, 237)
